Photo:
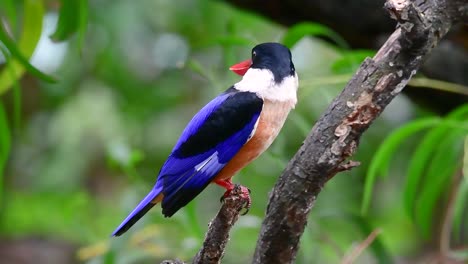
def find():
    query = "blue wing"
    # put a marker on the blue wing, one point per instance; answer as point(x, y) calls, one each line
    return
point(211, 139)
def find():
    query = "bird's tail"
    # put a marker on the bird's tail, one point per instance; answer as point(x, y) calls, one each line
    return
point(154, 197)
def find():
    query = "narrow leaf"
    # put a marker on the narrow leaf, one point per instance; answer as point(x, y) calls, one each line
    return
point(440, 169)
point(380, 162)
point(83, 22)
point(68, 21)
point(16, 92)
point(16, 103)
point(9, 10)
point(460, 203)
point(15, 53)
point(465, 159)
point(421, 156)
point(301, 30)
point(462, 196)
point(5, 145)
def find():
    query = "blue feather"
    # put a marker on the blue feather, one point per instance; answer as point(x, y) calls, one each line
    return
point(142, 208)
point(185, 178)
point(210, 140)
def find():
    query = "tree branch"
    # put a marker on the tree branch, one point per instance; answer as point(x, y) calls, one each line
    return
point(218, 231)
point(335, 136)
point(217, 235)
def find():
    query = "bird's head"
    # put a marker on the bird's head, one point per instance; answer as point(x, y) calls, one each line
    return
point(270, 72)
point(269, 56)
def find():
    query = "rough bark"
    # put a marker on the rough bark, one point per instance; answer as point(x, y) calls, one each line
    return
point(335, 136)
point(217, 236)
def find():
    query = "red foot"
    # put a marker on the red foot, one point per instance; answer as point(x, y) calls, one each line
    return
point(229, 186)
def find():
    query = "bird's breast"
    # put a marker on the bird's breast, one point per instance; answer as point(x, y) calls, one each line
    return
point(270, 122)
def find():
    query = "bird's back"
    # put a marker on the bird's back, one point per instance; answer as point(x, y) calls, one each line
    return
point(270, 122)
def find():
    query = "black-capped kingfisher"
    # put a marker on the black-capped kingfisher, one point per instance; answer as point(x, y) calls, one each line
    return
point(227, 134)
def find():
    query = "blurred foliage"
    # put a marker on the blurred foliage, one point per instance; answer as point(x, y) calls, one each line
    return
point(81, 152)
point(33, 14)
point(301, 30)
point(436, 158)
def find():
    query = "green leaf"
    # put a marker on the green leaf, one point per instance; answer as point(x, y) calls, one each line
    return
point(460, 203)
point(5, 144)
point(381, 160)
point(31, 32)
point(72, 18)
point(350, 61)
point(301, 30)
point(4, 135)
point(421, 156)
point(462, 196)
point(16, 93)
point(9, 11)
point(83, 22)
point(465, 159)
point(15, 53)
point(16, 104)
point(440, 168)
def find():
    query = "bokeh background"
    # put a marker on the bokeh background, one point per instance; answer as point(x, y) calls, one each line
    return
point(77, 154)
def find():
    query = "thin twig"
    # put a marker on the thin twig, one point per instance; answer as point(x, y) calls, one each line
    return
point(423, 82)
point(357, 251)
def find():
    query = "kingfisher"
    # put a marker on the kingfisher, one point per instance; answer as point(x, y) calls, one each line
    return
point(226, 134)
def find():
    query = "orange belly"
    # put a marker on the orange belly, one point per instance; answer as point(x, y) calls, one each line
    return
point(270, 122)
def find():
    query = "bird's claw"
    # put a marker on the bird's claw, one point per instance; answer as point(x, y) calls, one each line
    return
point(244, 194)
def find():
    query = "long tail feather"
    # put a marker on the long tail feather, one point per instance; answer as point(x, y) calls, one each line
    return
point(142, 208)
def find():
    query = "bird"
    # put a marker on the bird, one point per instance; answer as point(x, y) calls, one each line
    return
point(228, 133)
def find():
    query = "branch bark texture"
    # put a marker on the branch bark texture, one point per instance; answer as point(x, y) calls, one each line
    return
point(335, 136)
point(217, 236)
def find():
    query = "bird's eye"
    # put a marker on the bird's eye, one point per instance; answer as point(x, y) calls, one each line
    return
point(254, 54)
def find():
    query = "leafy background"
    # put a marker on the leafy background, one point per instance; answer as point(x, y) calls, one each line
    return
point(93, 95)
